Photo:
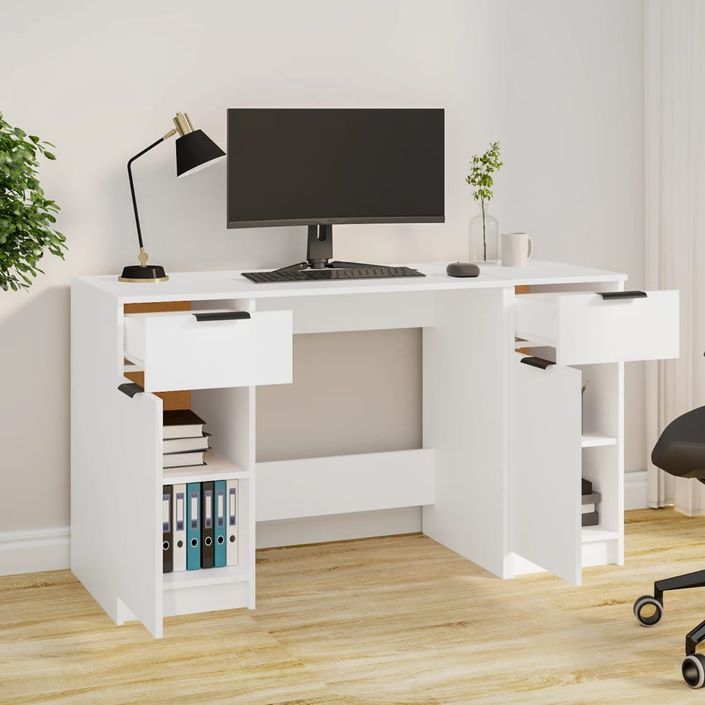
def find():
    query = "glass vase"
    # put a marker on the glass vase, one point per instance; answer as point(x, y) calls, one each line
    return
point(484, 239)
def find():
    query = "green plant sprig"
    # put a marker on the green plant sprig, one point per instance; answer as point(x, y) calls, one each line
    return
point(27, 216)
point(482, 166)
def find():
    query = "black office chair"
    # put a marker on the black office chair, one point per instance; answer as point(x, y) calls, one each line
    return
point(680, 452)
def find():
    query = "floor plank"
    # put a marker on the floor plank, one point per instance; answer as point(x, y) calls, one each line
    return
point(387, 621)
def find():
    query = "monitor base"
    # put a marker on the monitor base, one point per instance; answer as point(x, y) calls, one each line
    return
point(319, 252)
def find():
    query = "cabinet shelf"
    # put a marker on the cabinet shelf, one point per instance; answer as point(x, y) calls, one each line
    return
point(591, 534)
point(204, 577)
point(217, 467)
point(521, 343)
point(593, 440)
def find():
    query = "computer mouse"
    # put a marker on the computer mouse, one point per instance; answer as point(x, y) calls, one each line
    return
point(462, 269)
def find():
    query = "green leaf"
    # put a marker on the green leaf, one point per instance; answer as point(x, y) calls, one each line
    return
point(482, 166)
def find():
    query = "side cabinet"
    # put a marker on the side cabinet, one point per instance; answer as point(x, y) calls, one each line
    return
point(212, 359)
point(566, 420)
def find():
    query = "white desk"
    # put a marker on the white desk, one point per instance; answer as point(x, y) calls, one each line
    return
point(498, 473)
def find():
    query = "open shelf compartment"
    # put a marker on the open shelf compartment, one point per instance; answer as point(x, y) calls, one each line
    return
point(601, 459)
point(228, 414)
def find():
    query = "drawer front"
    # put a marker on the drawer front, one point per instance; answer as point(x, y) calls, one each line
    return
point(177, 351)
point(584, 328)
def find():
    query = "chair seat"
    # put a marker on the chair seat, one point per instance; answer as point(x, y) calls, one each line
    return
point(680, 450)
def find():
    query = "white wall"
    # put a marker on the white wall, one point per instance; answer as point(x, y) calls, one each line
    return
point(558, 82)
point(571, 115)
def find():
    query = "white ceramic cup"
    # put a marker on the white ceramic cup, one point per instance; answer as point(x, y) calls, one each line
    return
point(517, 249)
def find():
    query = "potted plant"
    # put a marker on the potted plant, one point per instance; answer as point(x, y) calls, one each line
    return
point(484, 229)
point(27, 216)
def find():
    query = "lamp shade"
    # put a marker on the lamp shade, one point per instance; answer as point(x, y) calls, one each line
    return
point(194, 151)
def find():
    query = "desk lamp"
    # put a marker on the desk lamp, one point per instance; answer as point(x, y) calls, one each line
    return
point(194, 151)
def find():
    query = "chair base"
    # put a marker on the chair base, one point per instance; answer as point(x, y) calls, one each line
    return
point(684, 582)
point(693, 668)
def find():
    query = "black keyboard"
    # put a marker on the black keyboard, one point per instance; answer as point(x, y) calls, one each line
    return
point(310, 275)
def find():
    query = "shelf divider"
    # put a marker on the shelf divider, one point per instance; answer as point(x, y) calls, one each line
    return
point(591, 534)
point(217, 467)
point(205, 577)
point(593, 440)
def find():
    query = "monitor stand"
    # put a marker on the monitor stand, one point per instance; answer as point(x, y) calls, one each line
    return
point(319, 252)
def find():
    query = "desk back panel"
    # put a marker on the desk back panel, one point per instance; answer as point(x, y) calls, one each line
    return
point(360, 392)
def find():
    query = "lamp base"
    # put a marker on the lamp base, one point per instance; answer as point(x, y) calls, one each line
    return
point(143, 274)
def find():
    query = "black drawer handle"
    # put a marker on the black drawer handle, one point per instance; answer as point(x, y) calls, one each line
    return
point(609, 295)
point(537, 362)
point(130, 388)
point(222, 316)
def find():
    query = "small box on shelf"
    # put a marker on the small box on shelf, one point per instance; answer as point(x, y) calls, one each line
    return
point(590, 502)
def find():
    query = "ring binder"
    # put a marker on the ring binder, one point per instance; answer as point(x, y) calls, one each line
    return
point(207, 528)
point(220, 528)
point(167, 510)
point(179, 528)
point(193, 525)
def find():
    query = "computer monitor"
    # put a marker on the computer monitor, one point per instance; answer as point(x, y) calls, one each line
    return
point(319, 167)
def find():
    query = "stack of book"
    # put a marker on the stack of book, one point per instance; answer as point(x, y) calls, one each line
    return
point(185, 441)
point(591, 515)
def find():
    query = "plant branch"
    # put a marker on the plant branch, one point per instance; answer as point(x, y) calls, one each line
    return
point(26, 215)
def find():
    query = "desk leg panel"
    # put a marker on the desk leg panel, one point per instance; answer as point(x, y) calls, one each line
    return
point(465, 422)
point(115, 469)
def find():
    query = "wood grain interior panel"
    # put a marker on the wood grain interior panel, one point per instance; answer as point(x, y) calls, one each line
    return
point(158, 307)
point(523, 289)
point(172, 400)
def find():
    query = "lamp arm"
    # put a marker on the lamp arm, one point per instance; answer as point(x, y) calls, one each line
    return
point(132, 183)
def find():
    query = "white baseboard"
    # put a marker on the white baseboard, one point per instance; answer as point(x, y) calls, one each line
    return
point(34, 550)
point(48, 549)
point(635, 490)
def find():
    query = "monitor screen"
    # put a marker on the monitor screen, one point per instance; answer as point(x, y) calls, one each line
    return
point(307, 166)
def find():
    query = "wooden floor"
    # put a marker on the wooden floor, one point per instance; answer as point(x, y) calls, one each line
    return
point(389, 620)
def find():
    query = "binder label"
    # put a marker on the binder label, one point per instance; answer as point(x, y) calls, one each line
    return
point(209, 510)
point(166, 513)
point(220, 510)
point(194, 510)
point(232, 503)
point(179, 511)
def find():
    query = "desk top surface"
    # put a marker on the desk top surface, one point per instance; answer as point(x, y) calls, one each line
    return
point(231, 285)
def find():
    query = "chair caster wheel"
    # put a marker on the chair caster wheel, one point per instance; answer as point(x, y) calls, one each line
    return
point(648, 610)
point(693, 670)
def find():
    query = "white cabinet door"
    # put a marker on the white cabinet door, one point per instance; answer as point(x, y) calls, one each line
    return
point(136, 506)
point(545, 467)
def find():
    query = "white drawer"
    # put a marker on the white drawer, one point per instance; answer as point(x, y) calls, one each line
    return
point(179, 351)
point(586, 328)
